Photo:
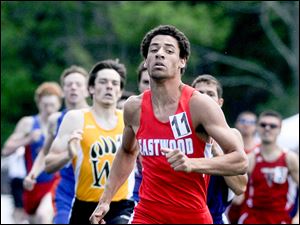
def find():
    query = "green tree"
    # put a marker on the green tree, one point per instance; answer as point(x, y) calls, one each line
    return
point(252, 47)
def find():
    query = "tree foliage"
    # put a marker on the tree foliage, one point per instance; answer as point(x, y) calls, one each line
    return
point(252, 47)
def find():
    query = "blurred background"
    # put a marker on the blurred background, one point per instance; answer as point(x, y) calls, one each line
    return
point(252, 47)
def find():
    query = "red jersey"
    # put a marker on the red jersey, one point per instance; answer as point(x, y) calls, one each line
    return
point(267, 191)
point(161, 184)
point(234, 211)
point(252, 149)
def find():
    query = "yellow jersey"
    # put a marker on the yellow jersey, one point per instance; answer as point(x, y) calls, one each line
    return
point(94, 160)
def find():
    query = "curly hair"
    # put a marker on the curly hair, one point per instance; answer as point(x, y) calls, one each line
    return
point(183, 42)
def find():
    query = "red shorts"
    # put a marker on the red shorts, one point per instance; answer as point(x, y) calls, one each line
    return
point(32, 199)
point(234, 213)
point(152, 213)
point(259, 216)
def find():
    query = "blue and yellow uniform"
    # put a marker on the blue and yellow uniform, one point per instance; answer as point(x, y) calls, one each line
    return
point(91, 168)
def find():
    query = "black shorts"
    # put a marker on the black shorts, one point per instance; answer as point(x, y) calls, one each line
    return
point(119, 213)
point(16, 185)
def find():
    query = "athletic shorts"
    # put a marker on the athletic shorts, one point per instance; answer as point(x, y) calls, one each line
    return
point(62, 215)
point(16, 185)
point(147, 212)
point(234, 213)
point(264, 216)
point(62, 199)
point(32, 199)
point(119, 213)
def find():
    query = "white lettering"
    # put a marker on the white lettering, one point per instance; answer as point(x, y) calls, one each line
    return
point(164, 143)
point(172, 144)
point(189, 146)
point(151, 147)
point(156, 142)
point(181, 145)
point(144, 149)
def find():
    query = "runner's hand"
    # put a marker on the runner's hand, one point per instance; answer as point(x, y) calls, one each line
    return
point(29, 182)
point(98, 214)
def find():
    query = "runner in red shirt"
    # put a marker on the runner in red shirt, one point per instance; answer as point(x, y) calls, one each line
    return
point(246, 124)
point(269, 167)
point(170, 126)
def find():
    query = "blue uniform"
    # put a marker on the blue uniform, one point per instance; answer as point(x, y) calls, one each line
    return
point(64, 195)
point(44, 182)
point(218, 198)
point(64, 192)
point(32, 150)
point(296, 205)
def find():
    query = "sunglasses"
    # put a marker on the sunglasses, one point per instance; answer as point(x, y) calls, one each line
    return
point(247, 122)
point(271, 125)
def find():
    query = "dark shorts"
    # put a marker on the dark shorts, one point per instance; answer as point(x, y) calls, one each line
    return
point(16, 185)
point(119, 213)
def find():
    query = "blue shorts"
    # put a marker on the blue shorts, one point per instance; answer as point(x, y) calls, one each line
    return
point(62, 200)
point(62, 214)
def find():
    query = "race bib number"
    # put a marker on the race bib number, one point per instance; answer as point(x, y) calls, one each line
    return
point(180, 125)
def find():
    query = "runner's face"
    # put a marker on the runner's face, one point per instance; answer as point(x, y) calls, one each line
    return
point(268, 128)
point(209, 89)
point(49, 104)
point(246, 124)
point(163, 59)
point(75, 88)
point(107, 89)
point(144, 82)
